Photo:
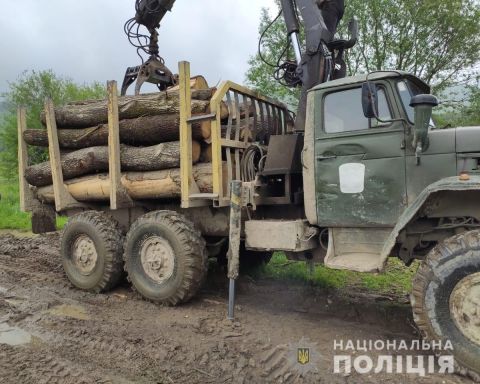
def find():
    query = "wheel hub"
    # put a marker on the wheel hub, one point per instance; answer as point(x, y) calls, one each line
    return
point(84, 254)
point(465, 307)
point(158, 258)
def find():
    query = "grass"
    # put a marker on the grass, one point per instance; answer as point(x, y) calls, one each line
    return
point(10, 215)
point(396, 280)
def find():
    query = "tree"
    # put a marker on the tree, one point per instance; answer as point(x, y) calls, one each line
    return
point(439, 41)
point(463, 110)
point(471, 111)
point(30, 90)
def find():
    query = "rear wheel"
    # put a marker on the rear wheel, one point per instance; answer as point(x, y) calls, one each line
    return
point(165, 257)
point(92, 250)
point(446, 299)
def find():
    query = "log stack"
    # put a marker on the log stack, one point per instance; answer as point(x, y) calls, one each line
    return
point(150, 147)
point(149, 137)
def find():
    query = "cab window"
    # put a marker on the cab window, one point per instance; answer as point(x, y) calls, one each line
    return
point(407, 90)
point(343, 111)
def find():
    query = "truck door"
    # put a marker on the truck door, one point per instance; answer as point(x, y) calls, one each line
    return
point(359, 162)
point(439, 159)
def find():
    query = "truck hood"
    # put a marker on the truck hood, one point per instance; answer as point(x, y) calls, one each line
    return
point(467, 139)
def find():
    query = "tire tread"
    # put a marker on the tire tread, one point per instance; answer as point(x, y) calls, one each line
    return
point(112, 235)
point(450, 248)
point(195, 253)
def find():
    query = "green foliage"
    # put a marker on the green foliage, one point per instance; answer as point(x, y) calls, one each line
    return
point(10, 215)
point(30, 90)
point(471, 112)
point(464, 112)
point(437, 41)
point(397, 278)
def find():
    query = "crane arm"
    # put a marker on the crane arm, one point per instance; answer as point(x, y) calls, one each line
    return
point(149, 13)
point(315, 65)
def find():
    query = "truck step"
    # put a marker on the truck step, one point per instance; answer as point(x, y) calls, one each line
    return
point(357, 249)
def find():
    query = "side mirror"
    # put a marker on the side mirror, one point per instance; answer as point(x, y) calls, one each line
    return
point(423, 106)
point(370, 100)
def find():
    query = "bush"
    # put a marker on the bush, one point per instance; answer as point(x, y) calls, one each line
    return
point(30, 90)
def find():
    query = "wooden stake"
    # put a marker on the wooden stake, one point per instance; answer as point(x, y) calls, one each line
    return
point(118, 196)
point(63, 199)
point(26, 195)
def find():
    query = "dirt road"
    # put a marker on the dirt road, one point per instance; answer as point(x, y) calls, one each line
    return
point(53, 333)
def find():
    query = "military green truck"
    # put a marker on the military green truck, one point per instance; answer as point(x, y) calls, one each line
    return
point(370, 178)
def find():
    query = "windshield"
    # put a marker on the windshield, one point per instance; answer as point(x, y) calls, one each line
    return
point(407, 90)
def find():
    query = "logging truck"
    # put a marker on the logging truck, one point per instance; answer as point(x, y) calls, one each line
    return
point(367, 180)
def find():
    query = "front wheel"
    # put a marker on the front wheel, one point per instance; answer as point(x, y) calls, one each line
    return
point(165, 257)
point(446, 299)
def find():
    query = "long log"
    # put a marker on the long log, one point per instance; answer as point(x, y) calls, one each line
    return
point(164, 184)
point(93, 112)
point(145, 130)
point(197, 83)
point(95, 159)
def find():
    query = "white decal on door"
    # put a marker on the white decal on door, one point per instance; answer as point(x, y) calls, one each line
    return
point(352, 177)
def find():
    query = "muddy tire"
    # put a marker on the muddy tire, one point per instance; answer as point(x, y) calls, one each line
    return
point(92, 248)
point(165, 257)
point(446, 299)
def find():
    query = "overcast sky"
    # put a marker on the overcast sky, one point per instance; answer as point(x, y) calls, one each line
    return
point(84, 40)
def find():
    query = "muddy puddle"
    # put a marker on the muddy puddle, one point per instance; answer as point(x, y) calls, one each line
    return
point(13, 335)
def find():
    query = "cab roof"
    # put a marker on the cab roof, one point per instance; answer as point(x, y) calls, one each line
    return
point(378, 75)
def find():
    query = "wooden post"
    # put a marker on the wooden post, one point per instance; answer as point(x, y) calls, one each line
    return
point(63, 199)
point(188, 184)
point(27, 202)
point(118, 196)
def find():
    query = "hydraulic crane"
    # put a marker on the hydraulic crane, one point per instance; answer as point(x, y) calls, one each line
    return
point(321, 59)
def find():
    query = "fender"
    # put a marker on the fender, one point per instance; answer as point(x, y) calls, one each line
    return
point(446, 184)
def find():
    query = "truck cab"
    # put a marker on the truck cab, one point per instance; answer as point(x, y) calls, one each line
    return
point(362, 175)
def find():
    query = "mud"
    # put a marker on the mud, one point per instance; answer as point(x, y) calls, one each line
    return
point(51, 332)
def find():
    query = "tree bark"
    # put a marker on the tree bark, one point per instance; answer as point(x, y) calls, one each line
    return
point(95, 159)
point(206, 155)
point(145, 130)
point(44, 219)
point(164, 184)
point(93, 112)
